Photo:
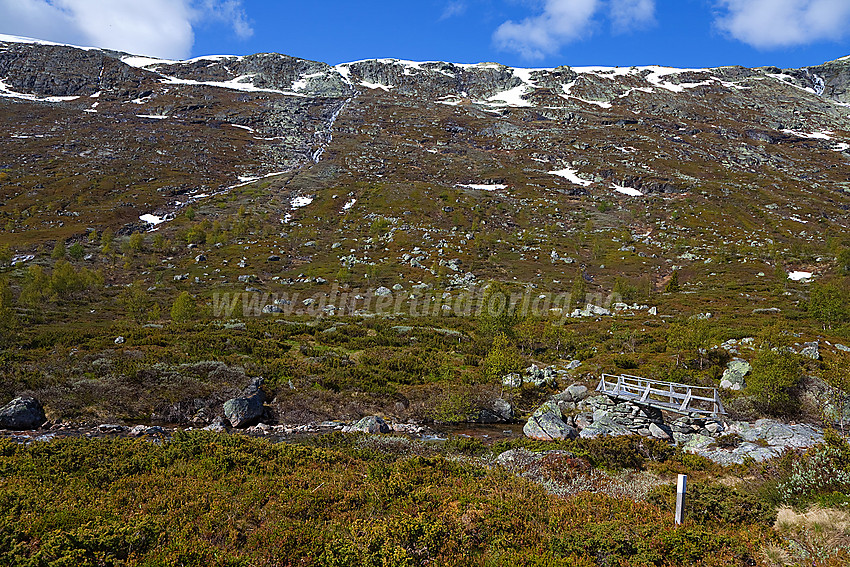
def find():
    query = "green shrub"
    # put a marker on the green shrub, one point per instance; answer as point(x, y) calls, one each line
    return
point(465, 445)
point(59, 250)
point(829, 303)
point(823, 470)
point(716, 503)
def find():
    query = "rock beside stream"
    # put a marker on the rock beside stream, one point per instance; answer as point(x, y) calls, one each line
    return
point(371, 424)
point(22, 414)
point(248, 408)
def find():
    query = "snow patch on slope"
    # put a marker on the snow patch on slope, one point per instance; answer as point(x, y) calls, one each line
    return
point(630, 191)
point(483, 187)
point(571, 175)
point(6, 92)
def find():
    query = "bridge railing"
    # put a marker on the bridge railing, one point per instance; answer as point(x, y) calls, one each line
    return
point(680, 398)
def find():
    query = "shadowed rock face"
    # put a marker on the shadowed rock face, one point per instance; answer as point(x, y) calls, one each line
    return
point(49, 70)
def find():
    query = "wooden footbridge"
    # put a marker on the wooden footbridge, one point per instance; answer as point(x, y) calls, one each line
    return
point(670, 396)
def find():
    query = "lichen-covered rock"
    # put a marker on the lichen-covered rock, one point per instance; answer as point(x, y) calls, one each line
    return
point(371, 424)
point(811, 350)
point(540, 377)
point(733, 375)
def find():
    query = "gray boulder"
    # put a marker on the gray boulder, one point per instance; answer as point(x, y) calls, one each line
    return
point(500, 411)
point(248, 408)
point(22, 413)
point(660, 431)
point(548, 427)
point(371, 424)
point(577, 392)
point(547, 424)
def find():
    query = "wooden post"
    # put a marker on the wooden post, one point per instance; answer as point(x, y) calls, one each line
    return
point(681, 487)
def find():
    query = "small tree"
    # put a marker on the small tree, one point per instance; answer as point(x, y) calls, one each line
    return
point(184, 308)
point(578, 292)
point(136, 242)
point(106, 242)
point(843, 261)
point(836, 374)
point(76, 251)
point(159, 242)
point(529, 332)
point(828, 303)
point(5, 256)
point(59, 250)
point(503, 358)
point(774, 381)
point(673, 285)
point(497, 316)
point(689, 337)
point(8, 318)
point(560, 338)
point(137, 302)
point(774, 337)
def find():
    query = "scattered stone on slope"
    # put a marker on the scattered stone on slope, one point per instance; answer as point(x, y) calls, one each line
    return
point(512, 381)
point(540, 377)
point(811, 350)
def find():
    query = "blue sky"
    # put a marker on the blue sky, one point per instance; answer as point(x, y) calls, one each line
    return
point(529, 33)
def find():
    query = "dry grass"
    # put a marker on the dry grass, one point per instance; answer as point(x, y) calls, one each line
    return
point(819, 537)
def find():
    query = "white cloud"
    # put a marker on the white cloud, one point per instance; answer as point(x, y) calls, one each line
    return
point(161, 28)
point(561, 22)
point(770, 24)
point(227, 11)
point(565, 21)
point(629, 14)
point(454, 8)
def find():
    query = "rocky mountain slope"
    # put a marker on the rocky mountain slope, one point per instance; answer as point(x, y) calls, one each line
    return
point(321, 189)
point(738, 156)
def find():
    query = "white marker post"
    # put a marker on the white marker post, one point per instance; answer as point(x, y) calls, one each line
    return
point(681, 488)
